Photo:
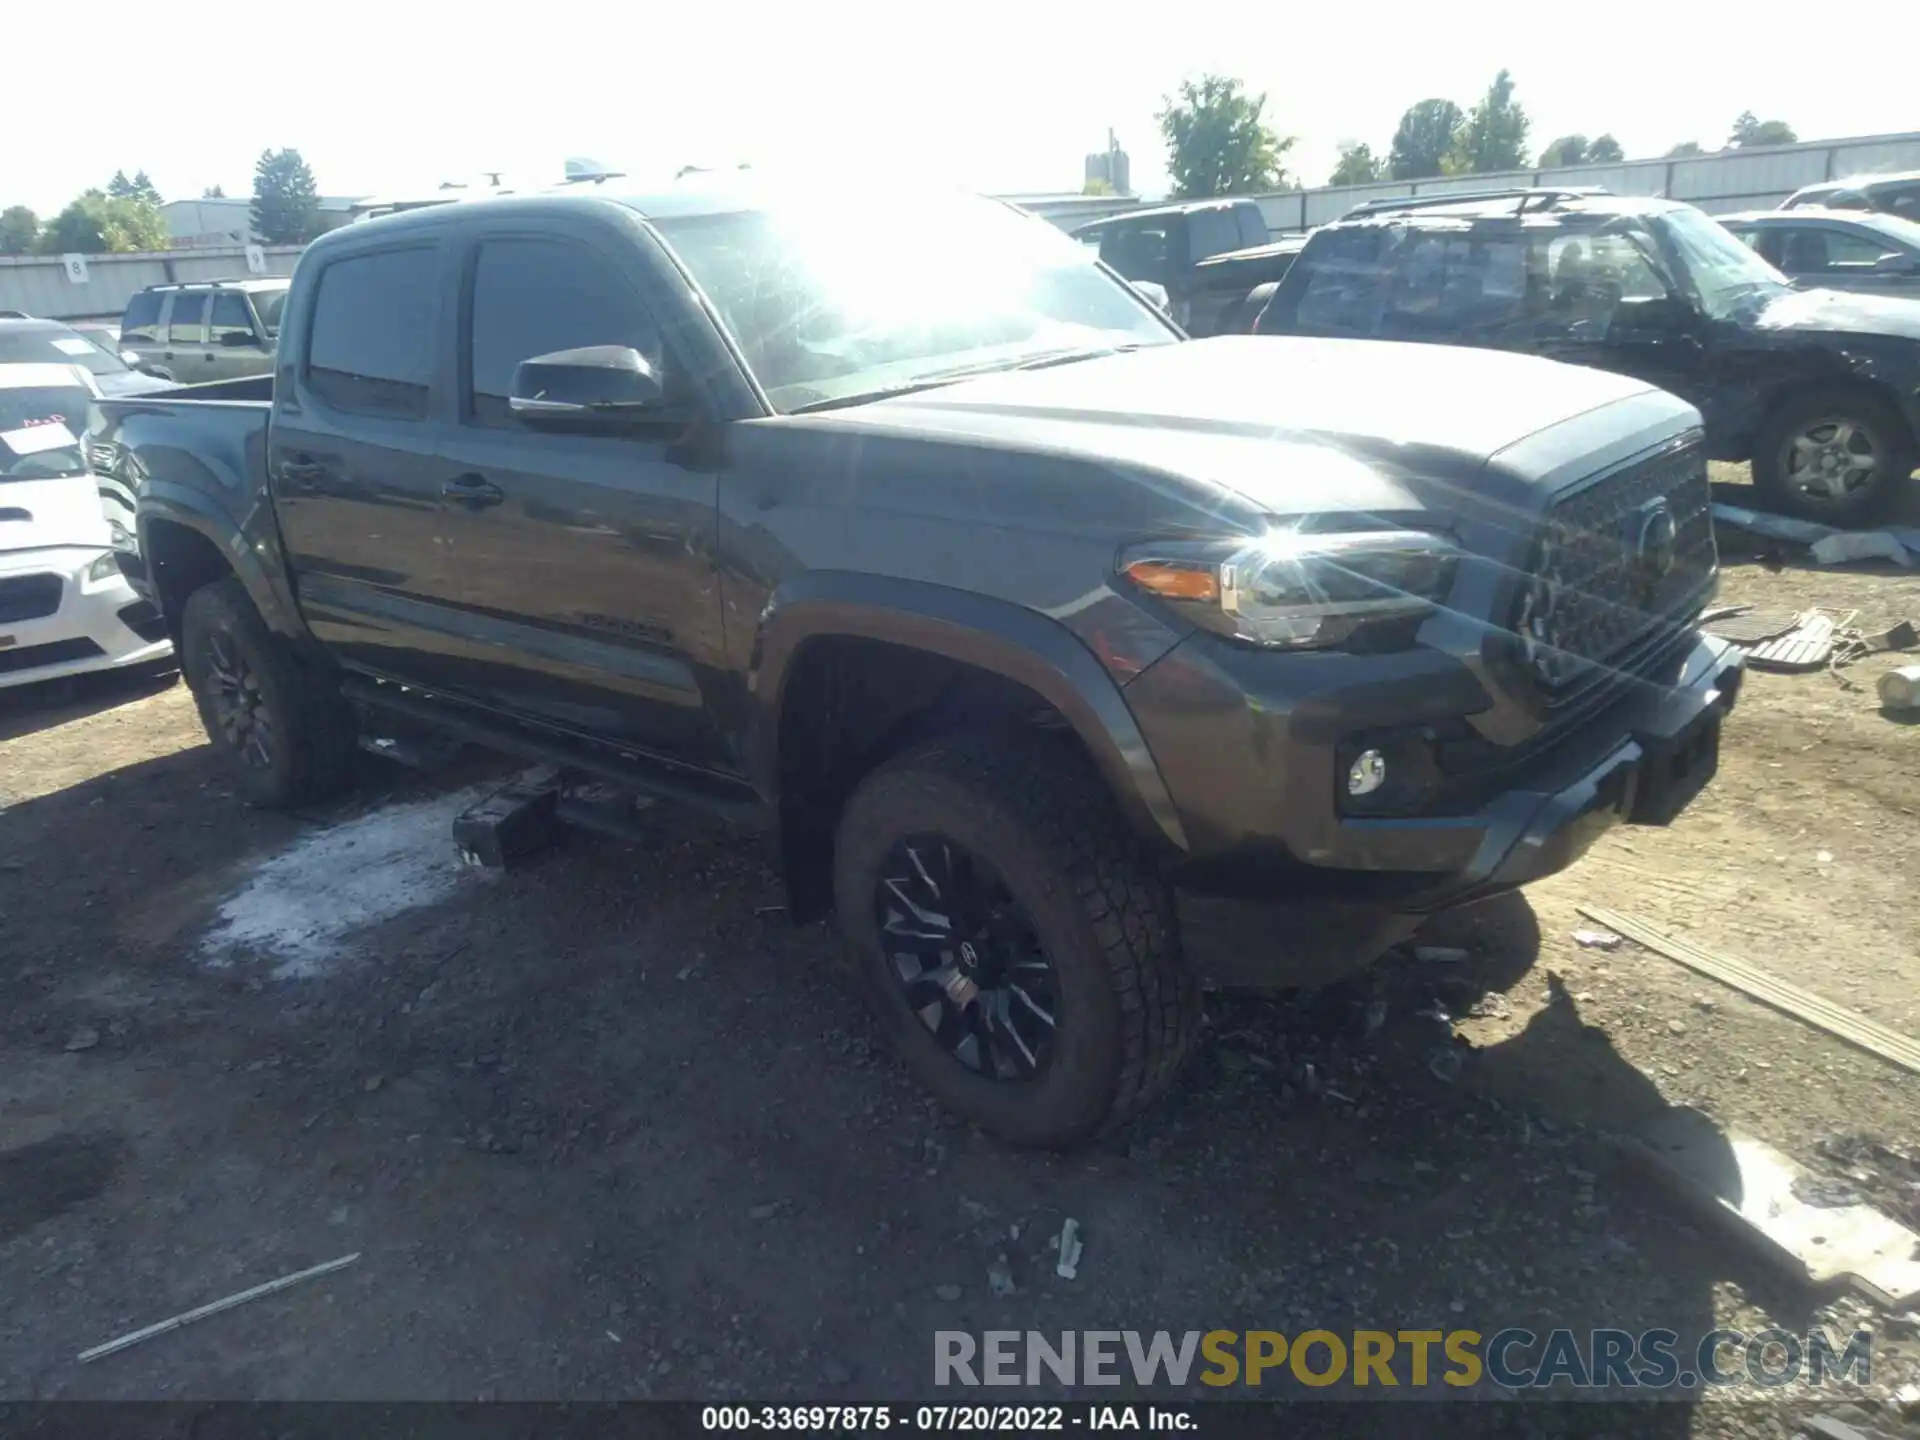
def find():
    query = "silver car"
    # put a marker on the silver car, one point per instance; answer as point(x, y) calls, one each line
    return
point(205, 330)
point(1857, 250)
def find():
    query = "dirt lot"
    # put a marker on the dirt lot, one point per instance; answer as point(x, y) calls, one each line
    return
point(598, 1128)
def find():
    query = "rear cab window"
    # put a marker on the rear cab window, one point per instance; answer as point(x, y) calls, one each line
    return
point(370, 347)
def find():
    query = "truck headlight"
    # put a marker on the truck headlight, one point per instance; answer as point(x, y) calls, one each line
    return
point(1295, 589)
point(106, 567)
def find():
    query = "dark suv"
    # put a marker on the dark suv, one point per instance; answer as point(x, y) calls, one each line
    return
point(205, 330)
point(1819, 389)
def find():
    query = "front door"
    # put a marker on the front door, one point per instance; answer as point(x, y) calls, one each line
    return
point(233, 350)
point(353, 459)
point(585, 559)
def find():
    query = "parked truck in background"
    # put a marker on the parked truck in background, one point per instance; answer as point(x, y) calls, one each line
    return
point(1028, 629)
point(1213, 258)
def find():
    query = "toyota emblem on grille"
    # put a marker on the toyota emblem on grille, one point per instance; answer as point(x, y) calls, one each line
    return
point(1653, 540)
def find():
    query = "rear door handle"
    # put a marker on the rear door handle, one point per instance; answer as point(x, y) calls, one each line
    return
point(476, 492)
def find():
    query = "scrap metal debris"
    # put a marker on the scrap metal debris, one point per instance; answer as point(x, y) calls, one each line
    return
point(1827, 545)
point(228, 1303)
point(1068, 1266)
point(1848, 1025)
point(1596, 939)
point(1000, 1278)
point(85, 1038)
point(1900, 689)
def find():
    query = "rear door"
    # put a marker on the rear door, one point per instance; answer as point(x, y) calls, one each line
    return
point(353, 454)
point(184, 349)
point(586, 560)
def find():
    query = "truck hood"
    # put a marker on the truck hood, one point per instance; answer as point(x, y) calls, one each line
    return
point(47, 514)
point(1842, 312)
point(1292, 425)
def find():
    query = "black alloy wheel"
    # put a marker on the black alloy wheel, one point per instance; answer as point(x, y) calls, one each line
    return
point(234, 695)
point(968, 958)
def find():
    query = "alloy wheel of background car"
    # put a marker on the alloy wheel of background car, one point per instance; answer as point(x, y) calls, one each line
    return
point(968, 957)
point(239, 705)
point(1832, 458)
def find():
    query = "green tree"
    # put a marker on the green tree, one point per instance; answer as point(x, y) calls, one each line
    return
point(286, 201)
point(120, 187)
point(19, 230)
point(1098, 185)
point(145, 189)
point(1685, 150)
point(96, 223)
point(213, 192)
point(1494, 136)
point(1567, 150)
point(1421, 142)
point(1605, 150)
point(1748, 132)
point(1217, 142)
point(1357, 166)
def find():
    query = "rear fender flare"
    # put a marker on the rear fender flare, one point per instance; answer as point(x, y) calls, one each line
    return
point(263, 576)
point(992, 635)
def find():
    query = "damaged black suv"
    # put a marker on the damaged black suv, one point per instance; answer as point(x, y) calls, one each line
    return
point(1052, 648)
point(1820, 389)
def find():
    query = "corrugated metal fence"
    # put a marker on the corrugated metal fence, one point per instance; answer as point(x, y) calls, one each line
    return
point(1731, 180)
point(39, 284)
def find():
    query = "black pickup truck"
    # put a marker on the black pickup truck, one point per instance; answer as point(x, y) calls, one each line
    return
point(1214, 258)
point(1046, 642)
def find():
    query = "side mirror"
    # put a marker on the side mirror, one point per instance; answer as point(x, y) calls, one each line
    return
point(1896, 264)
point(595, 387)
point(238, 339)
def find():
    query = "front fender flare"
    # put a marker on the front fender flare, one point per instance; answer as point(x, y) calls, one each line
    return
point(992, 635)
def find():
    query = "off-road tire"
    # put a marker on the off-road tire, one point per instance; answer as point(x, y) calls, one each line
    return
point(313, 727)
point(1891, 436)
point(1033, 809)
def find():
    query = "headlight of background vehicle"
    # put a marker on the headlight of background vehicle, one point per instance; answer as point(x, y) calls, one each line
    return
point(1298, 590)
point(104, 568)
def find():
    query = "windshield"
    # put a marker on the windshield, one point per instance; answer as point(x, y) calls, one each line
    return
point(1724, 273)
point(58, 347)
point(268, 304)
point(828, 307)
point(40, 430)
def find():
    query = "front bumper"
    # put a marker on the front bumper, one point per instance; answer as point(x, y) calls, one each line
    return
point(95, 624)
point(1249, 750)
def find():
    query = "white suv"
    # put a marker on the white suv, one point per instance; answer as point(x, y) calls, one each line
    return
point(65, 606)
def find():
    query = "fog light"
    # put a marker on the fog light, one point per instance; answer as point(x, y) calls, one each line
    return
point(1367, 773)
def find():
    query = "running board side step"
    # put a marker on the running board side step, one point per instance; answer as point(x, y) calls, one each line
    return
point(734, 805)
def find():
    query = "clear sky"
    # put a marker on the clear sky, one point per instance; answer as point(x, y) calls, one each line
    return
point(995, 95)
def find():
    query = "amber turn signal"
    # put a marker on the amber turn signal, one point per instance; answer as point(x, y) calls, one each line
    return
point(1175, 582)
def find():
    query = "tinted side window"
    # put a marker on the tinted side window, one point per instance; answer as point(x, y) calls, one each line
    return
point(1333, 288)
point(142, 320)
point(1856, 249)
point(1448, 285)
point(230, 317)
point(371, 345)
point(187, 325)
point(533, 297)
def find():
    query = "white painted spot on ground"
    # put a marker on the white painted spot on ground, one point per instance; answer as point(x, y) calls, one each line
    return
point(301, 908)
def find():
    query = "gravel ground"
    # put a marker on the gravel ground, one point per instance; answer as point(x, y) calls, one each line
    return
point(604, 1127)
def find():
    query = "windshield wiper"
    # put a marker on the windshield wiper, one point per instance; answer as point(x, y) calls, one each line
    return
point(948, 377)
point(863, 397)
point(1068, 357)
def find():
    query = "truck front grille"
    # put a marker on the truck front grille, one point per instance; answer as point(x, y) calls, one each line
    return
point(1618, 560)
point(28, 597)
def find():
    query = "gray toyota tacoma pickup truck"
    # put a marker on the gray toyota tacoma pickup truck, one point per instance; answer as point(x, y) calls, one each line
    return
point(1038, 637)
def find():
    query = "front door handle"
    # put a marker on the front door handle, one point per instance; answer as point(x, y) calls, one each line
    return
point(473, 491)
